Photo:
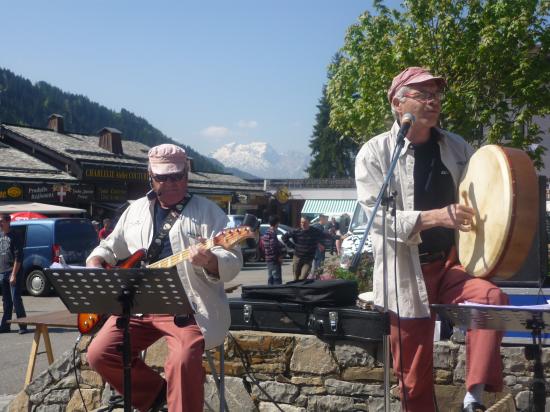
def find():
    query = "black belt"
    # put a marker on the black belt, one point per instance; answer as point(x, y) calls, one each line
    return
point(430, 257)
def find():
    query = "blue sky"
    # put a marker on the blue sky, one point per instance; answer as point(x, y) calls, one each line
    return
point(205, 73)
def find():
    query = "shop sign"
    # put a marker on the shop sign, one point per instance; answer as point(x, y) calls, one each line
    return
point(97, 172)
point(10, 191)
point(59, 192)
point(111, 193)
point(283, 194)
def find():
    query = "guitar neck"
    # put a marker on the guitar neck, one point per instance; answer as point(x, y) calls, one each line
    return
point(173, 260)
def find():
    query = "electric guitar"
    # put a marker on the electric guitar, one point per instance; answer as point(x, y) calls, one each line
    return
point(91, 322)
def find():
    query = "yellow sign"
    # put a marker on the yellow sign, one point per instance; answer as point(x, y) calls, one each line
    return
point(283, 194)
point(14, 192)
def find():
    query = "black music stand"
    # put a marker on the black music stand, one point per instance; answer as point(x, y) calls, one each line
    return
point(519, 319)
point(122, 292)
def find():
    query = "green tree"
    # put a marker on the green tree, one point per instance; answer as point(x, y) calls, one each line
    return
point(333, 155)
point(494, 54)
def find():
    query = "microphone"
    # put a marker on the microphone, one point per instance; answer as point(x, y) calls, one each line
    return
point(406, 122)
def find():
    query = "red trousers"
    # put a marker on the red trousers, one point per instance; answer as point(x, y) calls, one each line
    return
point(183, 367)
point(446, 283)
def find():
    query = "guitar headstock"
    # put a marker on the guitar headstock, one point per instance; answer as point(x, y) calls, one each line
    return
point(228, 238)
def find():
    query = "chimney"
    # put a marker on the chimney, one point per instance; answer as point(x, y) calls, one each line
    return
point(55, 123)
point(110, 139)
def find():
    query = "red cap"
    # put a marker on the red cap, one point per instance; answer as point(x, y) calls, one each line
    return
point(412, 75)
point(166, 159)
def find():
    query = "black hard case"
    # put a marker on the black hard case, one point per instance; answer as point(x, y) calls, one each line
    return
point(268, 315)
point(349, 323)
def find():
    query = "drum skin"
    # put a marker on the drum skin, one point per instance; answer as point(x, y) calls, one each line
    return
point(500, 184)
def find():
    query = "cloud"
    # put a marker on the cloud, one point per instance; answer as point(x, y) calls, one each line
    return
point(216, 132)
point(247, 124)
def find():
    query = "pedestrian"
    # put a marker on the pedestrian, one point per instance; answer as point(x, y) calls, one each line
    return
point(170, 219)
point(306, 241)
point(422, 265)
point(11, 256)
point(106, 230)
point(273, 252)
point(324, 244)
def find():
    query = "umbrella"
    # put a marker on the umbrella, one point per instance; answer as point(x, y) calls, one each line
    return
point(27, 216)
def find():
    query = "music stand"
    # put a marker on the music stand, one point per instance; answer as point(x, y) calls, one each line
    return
point(507, 318)
point(122, 292)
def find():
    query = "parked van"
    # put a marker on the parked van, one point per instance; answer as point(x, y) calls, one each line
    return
point(44, 240)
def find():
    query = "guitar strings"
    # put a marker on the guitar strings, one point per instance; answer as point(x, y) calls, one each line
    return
point(184, 254)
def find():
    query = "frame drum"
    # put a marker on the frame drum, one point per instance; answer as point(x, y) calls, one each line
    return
point(500, 184)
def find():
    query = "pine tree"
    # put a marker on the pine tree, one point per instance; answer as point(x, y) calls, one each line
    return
point(333, 155)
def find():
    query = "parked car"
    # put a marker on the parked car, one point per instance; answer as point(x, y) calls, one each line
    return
point(353, 237)
point(44, 240)
point(249, 247)
point(281, 230)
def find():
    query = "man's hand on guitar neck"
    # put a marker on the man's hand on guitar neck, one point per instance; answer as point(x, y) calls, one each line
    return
point(204, 258)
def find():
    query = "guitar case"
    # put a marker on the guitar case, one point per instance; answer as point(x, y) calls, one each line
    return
point(310, 292)
point(268, 315)
point(349, 323)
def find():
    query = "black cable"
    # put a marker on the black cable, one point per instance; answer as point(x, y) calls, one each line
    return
point(246, 363)
point(76, 374)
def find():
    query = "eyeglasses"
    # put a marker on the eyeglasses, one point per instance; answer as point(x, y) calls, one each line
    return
point(425, 97)
point(173, 177)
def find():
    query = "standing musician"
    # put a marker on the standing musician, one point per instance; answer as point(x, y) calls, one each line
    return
point(427, 214)
point(202, 277)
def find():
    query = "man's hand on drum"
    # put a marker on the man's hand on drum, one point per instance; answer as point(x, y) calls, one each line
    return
point(457, 216)
point(454, 216)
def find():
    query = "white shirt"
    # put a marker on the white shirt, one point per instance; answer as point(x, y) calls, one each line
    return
point(200, 218)
point(371, 165)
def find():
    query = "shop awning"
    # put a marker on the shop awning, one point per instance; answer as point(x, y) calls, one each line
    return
point(329, 207)
point(13, 207)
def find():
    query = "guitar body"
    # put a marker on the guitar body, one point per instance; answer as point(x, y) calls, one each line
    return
point(90, 323)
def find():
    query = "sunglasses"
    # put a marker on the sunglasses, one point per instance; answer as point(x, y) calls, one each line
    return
point(173, 177)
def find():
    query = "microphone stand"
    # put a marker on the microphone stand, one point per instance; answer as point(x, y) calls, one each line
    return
point(383, 199)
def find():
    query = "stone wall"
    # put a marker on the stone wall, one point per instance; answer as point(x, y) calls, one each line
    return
point(299, 372)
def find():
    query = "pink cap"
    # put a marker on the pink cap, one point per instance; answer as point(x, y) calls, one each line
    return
point(166, 159)
point(412, 75)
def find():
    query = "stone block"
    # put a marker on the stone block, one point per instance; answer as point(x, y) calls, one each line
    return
point(449, 397)
point(443, 377)
point(270, 407)
point(357, 373)
point(376, 404)
point(313, 390)
point(306, 380)
point(92, 400)
point(63, 365)
point(58, 396)
point(156, 354)
point(279, 392)
point(355, 354)
point(331, 403)
point(522, 400)
point(49, 408)
point(91, 378)
point(513, 359)
point(445, 353)
point(236, 396)
point(338, 387)
point(312, 355)
point(84, 343)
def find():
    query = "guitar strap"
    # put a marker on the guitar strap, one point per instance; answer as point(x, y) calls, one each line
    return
point(156, 245)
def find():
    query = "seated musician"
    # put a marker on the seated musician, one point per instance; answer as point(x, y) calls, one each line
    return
point(202, 276)
point(426, 179)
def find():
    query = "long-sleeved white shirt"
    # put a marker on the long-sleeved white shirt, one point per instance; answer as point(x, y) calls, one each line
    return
point(371, 166)
point(200, 218)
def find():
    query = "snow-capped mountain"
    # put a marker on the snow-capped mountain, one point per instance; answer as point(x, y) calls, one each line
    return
point(260, 159)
